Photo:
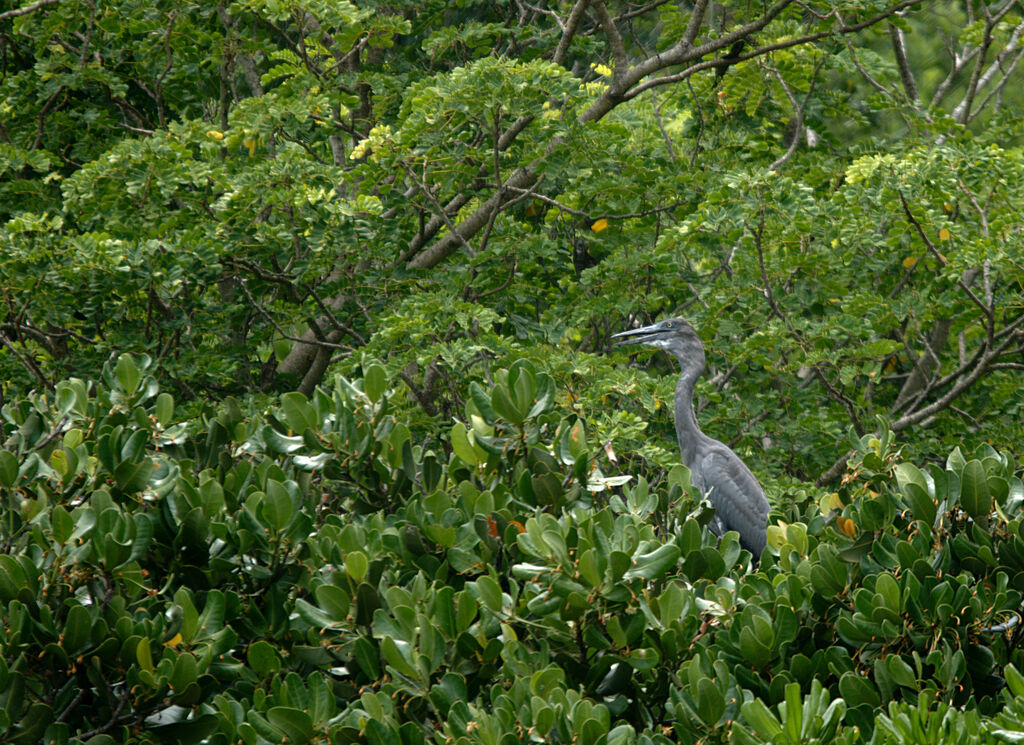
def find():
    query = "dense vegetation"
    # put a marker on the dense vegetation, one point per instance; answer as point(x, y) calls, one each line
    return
point(309, 426)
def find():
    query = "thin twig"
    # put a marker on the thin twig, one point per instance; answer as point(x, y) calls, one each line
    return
point(311, 342)
point(27, 9)
point(989, 313)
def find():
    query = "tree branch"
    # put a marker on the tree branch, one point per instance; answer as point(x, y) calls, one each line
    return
point(614, 41)
point(27, 9)
point(570, 31)
point(899, 48)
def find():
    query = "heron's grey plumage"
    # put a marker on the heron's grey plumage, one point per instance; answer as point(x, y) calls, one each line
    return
point(716, 470)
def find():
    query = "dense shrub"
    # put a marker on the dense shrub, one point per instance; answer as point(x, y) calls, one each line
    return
point(318, 572)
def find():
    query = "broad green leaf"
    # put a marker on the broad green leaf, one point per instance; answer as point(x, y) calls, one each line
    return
point(263, 658)
point(62, 524)
point(374, 381)
point(296, 724)
point(277, 506)
point(8, 468)
point(144, 655)
point(763, 722)
point(489, 593)
point(334, 600)
point(974, 492)
point(77, 626)
point(390, 648)
point(356, 565)
point(164, 408)
point(710, 702)
point(298, 412)
point(127, 374)
point(653, 564)
point(503, 406)
point(461, 444)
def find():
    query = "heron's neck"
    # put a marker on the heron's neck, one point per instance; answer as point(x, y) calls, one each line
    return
point(687, 429)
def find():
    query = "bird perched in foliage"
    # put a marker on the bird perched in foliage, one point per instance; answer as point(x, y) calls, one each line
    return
point(715, 469)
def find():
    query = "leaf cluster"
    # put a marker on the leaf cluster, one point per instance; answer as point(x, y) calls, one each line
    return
point(318, 572)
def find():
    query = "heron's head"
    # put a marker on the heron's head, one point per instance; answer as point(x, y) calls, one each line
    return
point(674, 335)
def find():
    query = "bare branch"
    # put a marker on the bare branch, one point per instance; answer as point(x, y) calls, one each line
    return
point(982, 366)
point(676, 56)
point(614, 40)
point(437, 207)
point(942, 260)
point(520, 179)
point(602, 215)
point(28, 363)
point(798, 113)
point(962, 112)
point(1012, 45)
point(693, 25)
point(27, 9)
point(863, 72)
point(266, 314)
point(570, 31)
point(640, 11)
point(899, 48)
point(1007, 76)
point(661, 126)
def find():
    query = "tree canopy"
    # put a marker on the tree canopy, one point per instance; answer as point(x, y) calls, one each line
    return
point(311, 427)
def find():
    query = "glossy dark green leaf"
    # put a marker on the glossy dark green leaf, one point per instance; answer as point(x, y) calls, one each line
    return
point(263, 658)
point(133, 476)
point(296, 724)
point(8, 468)
point(77, 627)
point(502, 405)
point(710, 702)
point(654, 563)
point(277, 506)
point(763, 722)
point(857, 690)
point(334, 601)
point(482, 402)
point(975, 496)
point(298, 412)
point(33, 724)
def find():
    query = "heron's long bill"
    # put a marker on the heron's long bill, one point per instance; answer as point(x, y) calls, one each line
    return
point(645, 335)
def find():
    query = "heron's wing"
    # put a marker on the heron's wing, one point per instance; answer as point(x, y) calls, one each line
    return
point(736, 495)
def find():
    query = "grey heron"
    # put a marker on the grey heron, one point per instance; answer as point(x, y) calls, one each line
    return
point(715, 469)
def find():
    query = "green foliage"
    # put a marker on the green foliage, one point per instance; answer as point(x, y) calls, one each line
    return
point(308, 427)
point(217, 188)
point(320, 573)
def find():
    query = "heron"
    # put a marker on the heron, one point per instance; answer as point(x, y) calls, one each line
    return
point(716, 471)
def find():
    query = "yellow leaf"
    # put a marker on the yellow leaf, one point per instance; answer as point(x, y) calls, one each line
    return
point(944, 234)
point(909, 262)
point(216, 134)
point(846, 526)
point(173, 641)
point(599, 225)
